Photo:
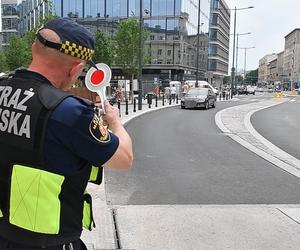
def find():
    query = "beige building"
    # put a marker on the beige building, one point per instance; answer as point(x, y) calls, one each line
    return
point(291, 57)
point(272, 71)
point(264, 68)
point(279, 67)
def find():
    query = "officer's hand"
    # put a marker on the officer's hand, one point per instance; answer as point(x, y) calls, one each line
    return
point(111, 116)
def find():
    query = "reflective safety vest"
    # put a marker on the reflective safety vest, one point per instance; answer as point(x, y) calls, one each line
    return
point(37, 207)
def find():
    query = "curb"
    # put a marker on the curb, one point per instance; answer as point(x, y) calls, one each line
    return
point(276, 156)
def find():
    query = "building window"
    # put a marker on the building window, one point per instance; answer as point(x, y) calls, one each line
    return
point(159, 52)
point(169, 52)
point(152, 37)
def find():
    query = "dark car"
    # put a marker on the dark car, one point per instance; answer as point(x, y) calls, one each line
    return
point(199, 97)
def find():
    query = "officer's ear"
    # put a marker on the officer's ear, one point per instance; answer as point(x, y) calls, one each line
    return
point(76, 71)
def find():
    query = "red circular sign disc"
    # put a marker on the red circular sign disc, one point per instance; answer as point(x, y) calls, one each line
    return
point(97, 77)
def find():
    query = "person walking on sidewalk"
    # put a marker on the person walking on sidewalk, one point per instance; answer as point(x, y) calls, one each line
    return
point(52, 144)
point(173, 92)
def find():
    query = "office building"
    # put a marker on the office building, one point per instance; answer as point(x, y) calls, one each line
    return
point(172, 25)
point(8, 21)
point(219, 31)
point(264, 68)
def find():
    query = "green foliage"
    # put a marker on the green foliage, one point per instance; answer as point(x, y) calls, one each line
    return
point(3, 66)
point(226, 80)
point(30, 35)
point(252, 77)
point(127, 45)
point(104, 49)
point(18, 53)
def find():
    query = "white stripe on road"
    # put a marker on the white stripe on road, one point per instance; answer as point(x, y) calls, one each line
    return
point(292, 165)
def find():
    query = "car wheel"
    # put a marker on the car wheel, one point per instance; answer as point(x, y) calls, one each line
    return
point(206, 105)
point(182, 107)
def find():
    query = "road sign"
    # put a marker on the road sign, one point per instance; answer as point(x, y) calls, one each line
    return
point(97, 79)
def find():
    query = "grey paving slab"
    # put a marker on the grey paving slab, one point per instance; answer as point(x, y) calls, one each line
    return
point(196, 227)
point(103, 236)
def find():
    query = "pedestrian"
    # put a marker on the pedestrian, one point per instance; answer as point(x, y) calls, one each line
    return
point(173, 92)
point(52, 144)
point(185, 89)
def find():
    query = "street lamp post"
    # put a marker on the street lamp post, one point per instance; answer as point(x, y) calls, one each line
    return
point(233, 54)
point(237, 51)
point(140, 84)
point(245, 59)
point(198, 42)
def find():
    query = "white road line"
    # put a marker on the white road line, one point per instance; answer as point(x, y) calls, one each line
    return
point(282, 160)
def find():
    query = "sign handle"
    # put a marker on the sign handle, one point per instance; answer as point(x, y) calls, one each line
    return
point(102, 96)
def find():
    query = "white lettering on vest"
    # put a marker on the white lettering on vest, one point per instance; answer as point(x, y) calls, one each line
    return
point(14, 122)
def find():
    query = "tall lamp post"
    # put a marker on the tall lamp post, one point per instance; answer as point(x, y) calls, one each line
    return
point(237, 45)
point(233, 54)
point(198, 42)
point(140, 84)
point(245, 59)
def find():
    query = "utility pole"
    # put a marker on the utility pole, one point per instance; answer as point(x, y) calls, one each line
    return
point(233, 54)
point(140, 84)
point(198, 42)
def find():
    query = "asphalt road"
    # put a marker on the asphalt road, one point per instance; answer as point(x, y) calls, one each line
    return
point(281, 125)
point(181, 157)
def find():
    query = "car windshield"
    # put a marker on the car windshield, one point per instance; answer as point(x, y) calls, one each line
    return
point(195, 92)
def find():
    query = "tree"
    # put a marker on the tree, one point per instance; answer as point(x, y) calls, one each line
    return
point(104, 49)
point(127, 46)
point(252, 77)
point(31, 35)
point(226, 80)
point(18, 53)
point(3, 66)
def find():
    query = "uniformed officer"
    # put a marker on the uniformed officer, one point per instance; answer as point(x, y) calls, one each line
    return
point(52, 144)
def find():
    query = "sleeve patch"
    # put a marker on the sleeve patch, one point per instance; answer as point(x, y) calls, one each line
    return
point(98, 130)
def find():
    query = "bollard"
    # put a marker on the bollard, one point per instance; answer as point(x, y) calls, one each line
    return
point(176, 99)
point(163, 100)
point(220, 96)
point(156, 101)
point(170, 100)
point(126, 107)
point(134, 105)
point(226, 96)
point(149, 99)
point(119, 107)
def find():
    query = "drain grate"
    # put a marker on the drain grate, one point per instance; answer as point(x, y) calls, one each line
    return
point(116, 232)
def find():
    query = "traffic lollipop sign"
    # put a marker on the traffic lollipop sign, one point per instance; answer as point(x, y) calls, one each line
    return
point(97, 79)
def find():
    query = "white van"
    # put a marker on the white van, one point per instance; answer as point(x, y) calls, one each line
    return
point(202, 84)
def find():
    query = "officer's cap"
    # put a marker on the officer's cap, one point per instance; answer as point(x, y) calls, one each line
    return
point(76, 40)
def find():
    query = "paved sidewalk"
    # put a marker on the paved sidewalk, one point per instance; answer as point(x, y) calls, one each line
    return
point(195, 226)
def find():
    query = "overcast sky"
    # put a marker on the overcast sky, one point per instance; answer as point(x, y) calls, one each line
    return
point(268, 22)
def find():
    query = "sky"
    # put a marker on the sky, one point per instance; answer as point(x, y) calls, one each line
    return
point(269, 22)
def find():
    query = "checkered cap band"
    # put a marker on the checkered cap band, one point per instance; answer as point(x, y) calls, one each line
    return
point(75, 50)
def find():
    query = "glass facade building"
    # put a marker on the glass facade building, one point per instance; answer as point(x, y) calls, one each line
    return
point(219, 34)
point(9, 20)
point(172, 25)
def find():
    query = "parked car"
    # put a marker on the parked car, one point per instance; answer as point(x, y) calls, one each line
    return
point(199, 97)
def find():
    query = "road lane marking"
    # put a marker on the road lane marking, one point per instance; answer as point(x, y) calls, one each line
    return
point(282, 160)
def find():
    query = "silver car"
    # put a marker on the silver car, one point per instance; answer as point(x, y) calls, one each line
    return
point(199, 97)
